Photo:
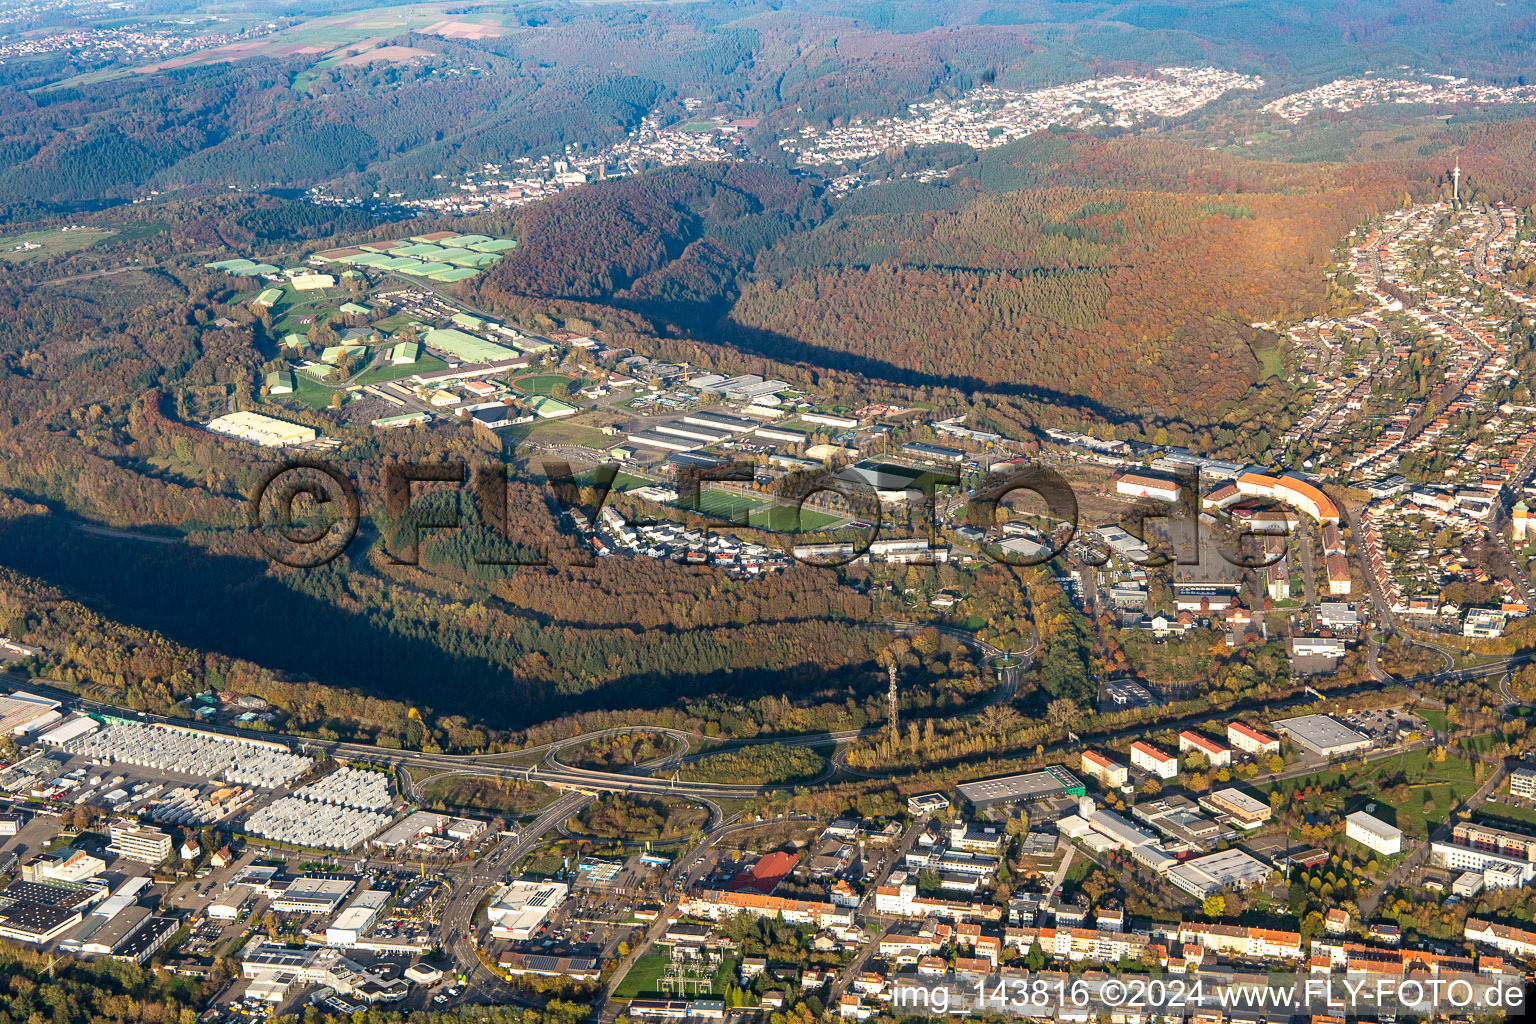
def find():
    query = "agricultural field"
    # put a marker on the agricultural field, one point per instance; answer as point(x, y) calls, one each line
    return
point(42, 245)
point(352, 38)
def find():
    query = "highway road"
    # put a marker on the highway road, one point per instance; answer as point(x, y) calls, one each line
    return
point(554, 772)
point(591, 782)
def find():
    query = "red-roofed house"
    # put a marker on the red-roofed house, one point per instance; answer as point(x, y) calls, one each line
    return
point(1216, 755)
point(1251, 741)
point(1150, 759)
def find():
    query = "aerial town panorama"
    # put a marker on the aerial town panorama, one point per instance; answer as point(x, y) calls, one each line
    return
point(746, 510)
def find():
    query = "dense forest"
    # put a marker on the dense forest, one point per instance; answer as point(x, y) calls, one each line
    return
point(618, 816)
point(765, 764)
point(101, 991)
point(1034, 298)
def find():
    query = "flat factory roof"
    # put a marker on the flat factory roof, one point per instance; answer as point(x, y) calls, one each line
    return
point(1028, 786)
point(1322, 733)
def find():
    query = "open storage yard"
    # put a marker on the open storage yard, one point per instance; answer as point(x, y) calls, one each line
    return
point(232, 759)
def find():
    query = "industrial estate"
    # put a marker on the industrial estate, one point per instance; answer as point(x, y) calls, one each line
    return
point(1129, 855)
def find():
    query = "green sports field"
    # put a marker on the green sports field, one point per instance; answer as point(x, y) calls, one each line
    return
point(727, 505)
point(761, 514)
point(543, 383)
point(781, 518)
point(645, 976)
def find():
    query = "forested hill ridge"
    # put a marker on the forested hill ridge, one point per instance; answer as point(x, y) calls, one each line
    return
point(1039, 271)
point(1046, 300)
point(378, 105)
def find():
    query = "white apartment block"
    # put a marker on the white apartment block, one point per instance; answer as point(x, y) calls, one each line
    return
point(1251, 741)
point(1154, 761)
point(1108, 773)
point(135, 842)
point(1371, 832)
point(1465, 858)
point(1216, 755)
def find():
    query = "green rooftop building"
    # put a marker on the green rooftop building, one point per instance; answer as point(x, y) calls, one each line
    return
point(405, 419)
point(547, 408)
point(467, 347)
point(335, 353)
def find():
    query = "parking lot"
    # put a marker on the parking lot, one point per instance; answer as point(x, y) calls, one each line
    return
point(1384, 725)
